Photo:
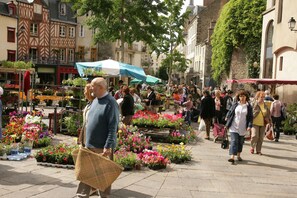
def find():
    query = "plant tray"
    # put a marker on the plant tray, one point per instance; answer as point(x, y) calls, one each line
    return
point(17, 157)
point(56, 165)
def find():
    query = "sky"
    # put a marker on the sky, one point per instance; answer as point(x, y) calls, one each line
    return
point(196, 2)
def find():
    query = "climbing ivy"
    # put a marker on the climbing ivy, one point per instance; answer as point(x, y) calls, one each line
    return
point(238, 26)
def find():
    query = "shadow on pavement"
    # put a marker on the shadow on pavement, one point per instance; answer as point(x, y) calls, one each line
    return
point(10, 177)
point(282, 157)
point(128, 193)
point(256, 163)
point(277, 148)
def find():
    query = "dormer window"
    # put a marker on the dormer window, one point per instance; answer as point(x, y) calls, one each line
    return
point(63, 9)
point(11, 9)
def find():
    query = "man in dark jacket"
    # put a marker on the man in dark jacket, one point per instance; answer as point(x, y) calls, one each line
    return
point(207, 111)
point(127, 106)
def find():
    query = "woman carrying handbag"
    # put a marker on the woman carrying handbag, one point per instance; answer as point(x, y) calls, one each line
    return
point(261, 114)
point(239, 119)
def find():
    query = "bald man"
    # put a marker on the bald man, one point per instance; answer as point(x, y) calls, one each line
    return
point(101, 128)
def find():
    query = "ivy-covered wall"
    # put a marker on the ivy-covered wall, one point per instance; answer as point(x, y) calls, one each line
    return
point(239, 25)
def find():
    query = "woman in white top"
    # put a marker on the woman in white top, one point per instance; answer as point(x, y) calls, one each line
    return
point(239, 120)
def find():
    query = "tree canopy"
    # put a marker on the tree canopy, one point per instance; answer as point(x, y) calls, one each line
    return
point(239, 26)
point(173, 22)
point(137, 19)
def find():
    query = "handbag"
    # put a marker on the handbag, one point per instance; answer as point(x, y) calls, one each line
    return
point(225, 142)
point(269, 134)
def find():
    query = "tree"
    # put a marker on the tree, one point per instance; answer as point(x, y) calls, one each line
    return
point(125, 20)
point(174, 23)
point(162, 73)
point(239, 26)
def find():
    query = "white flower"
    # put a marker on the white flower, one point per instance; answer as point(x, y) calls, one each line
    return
point(32, 119)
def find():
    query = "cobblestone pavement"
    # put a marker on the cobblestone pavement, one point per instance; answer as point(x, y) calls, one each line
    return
point(274, 174)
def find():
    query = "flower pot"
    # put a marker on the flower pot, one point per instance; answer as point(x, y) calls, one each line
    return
point(128, 168)
point(138, 167)
point(157, 166)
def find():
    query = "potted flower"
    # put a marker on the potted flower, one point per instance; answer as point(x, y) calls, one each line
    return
point(176, 137)
point(153, 159)
point(126, 159)
point(176, 153)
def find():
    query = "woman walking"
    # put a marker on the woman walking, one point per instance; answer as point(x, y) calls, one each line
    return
point(239, 120)
point(261, 114)
point(207, 111)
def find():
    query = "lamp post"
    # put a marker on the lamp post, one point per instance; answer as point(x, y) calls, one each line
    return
point(292, 24)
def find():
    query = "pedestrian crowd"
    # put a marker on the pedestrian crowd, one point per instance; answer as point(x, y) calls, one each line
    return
point(241, 114)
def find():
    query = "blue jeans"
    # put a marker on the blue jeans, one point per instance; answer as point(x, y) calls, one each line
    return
point(236, 143)
point(188, 117)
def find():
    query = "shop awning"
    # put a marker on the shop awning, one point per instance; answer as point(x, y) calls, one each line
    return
point(264, 81)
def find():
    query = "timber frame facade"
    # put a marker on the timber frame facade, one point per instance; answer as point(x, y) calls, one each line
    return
point(47, 37)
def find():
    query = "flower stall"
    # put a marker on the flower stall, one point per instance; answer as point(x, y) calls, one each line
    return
point(152, 120)
point(24, 131)
point(166, 128)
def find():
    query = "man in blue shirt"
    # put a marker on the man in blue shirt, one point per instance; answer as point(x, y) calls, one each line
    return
point(101, 128)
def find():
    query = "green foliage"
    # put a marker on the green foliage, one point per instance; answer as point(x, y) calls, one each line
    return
point(17, 64)
point(79, 82)
point(174, 23)
point(73, 122)
point(175, 153)
point(122, 19)
point(127, 159)
point(175, 61)
point(162, 73)
point(290, 124)
point(239, 26)
point(93, 72)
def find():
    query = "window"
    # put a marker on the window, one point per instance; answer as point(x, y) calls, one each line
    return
point(93, 54)
point(93, 32)
point(71, 32)
point(63, 9)
point(267, 71)
point(81, 31)
point(11, 55)
point(81, 53)
point(34, 29)
point(11, 10)
point(62, 31)
point(62, 55)
point(33, 54)
point(71, 55)
point(280, 11)
point(281, 61)
point(11, 35)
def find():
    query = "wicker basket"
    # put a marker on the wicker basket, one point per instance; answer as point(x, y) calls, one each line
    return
point(94, 169)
